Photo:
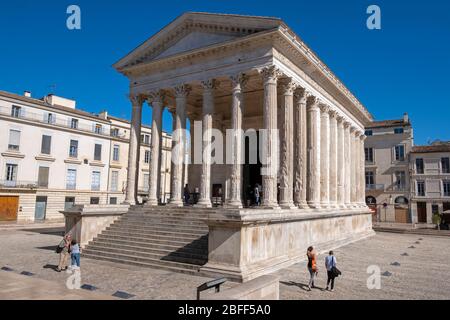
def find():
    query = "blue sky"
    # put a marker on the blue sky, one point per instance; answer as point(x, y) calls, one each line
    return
point(404, 67)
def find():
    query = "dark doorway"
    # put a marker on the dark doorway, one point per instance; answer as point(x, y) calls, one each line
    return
point(252, 167)
point(422, 212)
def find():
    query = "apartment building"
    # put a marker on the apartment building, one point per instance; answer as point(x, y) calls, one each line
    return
point(430, 181)
point(53, 155)
point(387, 149)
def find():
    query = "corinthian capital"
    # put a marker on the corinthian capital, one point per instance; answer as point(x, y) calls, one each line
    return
point(270, 74)
point(239, 81)
point(312, 101)
point(347, 124)
point(324, 108)
point(136, 99)
point(300, 94)
point(182, 91)
point(287, 86)
point(210, 84)
point(156, 97)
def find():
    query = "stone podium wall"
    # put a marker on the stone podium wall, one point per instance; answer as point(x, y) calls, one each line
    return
point(254, 243)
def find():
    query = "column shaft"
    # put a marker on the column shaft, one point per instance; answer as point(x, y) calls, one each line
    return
point(133, 151)
point(156, 100)
point(270, 138)
point(325, 156)
point(333, 160)
point(341, 162)
point(347, 164)
point(313, 195)
point(301, 148)
point(208, 110)
point(353, 161)
point(287, 145)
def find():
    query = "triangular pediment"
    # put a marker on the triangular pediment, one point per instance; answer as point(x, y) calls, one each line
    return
point(194, 31)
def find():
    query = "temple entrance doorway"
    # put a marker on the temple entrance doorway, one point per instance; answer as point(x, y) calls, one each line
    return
point(252, 169)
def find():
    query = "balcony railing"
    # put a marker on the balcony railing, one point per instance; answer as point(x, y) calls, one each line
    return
point(58, 121)
point(18, 184)
point(374, 186)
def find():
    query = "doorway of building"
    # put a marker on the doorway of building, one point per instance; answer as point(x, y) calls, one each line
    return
point(252, 168)
point(41, 208)
point(9, 207)
point(401, 210)
point(422, 212)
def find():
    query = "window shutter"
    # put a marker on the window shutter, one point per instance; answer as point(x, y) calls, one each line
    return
point(14, 137)
point(45, 117)
point(98, 152)
point(46, 144)
point(43, 177)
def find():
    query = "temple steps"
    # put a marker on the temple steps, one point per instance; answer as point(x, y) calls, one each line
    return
point(174, 239)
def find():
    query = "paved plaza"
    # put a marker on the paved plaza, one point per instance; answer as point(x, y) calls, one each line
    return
point(421, 274)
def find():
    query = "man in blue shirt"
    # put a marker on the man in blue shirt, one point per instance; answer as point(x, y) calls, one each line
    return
point(330, 263)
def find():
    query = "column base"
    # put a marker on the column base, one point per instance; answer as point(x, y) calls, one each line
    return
point(288, 205)
point(129, 202)
point(302, 205)
point(236, 204)
point(314, 205)
point(151, 203)
point(270, 205)
point(203, 203)
point(175, 203)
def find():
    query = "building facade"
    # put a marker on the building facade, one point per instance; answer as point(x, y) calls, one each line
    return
point(54, 156)
point(387, 159)
point(430, 181)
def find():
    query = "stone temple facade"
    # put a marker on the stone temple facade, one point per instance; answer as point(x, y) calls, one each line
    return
point(253, 74)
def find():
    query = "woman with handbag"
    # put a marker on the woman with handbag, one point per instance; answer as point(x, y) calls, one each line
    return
point(312, 267)
point(64, 252)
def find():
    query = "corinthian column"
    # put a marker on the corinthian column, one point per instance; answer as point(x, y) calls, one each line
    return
point(301, 148)
point(156, 100)
point(133, 151)
point(340, 163)
point(325, 156)
point(333, 159)
point(347, 166)
point(353, 157)
point(287, 145)
point(179, 145)
point(313, 195)
point(208, 110)
point(270, 137)
point(237, 105)
point(362, 170)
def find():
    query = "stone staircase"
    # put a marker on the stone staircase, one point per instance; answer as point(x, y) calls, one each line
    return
point(174, 239)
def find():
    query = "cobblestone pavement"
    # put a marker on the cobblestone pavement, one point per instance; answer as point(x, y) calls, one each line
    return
point(34, 251)
point(422, 274)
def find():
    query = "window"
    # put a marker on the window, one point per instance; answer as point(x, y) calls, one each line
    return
point(14, 140)
point(69, 202)
point(445, 162)
point(98, 152)
point(369, 154)
point(98, 129)
point(145, 138)
point(95, 200)
point(446, 187)
point(74, 123)
point(419, 166)
point(370, 179)
point(421, 188)
point(46, 144)
point(147, 156)
point(114, 181)
point(116, 152)
point(400, 153)
point(95, 184)
point(16, 111)
point(400, 180)
point(11, 172)
point(369, 133)
point(50, 118)
point(398, 130)
point(73, 150)
point(113, 200)
point(71, 179)
point(115, 132)
point(43, 177)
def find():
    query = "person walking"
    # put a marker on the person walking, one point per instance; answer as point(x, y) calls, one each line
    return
point(75, 254)
point(256, 195)
point(187, 194)
point(330, 264)
point(312, 267)
point(63, 250)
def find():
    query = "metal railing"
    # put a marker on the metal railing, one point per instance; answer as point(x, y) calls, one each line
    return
point(18, 184)
point(209, 285)
point(59, 121)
